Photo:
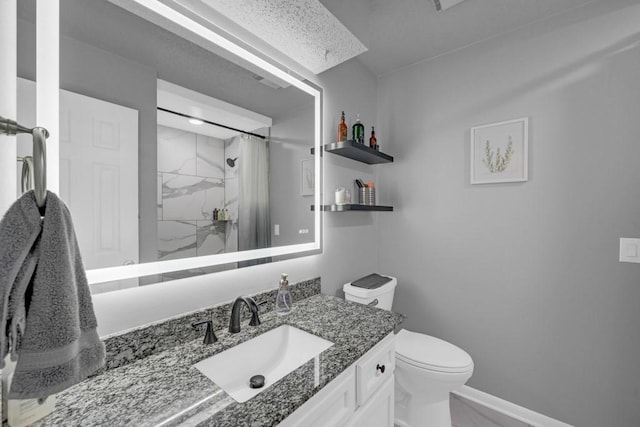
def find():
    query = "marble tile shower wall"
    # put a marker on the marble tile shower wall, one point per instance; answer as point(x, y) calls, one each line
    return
point(231, 179)
point(192, 183)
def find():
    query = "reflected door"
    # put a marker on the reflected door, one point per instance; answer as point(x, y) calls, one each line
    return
point(100, 140)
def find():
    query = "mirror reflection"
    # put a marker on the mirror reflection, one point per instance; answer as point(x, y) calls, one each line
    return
point(167, 150)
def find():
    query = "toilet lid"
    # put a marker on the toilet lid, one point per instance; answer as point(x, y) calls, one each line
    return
point(431, 353)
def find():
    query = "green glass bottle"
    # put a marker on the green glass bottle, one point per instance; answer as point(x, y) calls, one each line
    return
point(358, 131)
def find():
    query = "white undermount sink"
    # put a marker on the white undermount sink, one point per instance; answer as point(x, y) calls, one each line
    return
point(273, 354)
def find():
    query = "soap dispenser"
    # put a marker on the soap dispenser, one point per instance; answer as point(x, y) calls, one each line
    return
point(283, 299)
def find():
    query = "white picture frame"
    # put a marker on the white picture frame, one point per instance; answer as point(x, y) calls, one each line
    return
point(500, 152)
point(307, 177)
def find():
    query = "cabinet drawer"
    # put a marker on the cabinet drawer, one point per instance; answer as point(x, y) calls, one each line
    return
point(374, 368)
point(330, 407)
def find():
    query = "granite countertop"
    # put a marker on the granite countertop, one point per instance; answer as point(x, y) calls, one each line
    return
point(165, 389)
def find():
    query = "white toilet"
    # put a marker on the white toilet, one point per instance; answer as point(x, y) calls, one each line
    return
point(427, 368)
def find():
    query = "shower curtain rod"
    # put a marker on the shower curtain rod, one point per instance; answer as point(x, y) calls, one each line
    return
point(212, 123)
point(40, 135)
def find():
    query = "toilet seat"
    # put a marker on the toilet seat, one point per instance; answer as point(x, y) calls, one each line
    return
point(431, 353)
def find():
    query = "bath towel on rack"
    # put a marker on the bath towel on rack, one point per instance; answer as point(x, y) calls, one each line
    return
point(46, 314)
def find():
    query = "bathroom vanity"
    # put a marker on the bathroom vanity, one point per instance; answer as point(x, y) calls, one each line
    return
point(363, 395)
point(350, 383)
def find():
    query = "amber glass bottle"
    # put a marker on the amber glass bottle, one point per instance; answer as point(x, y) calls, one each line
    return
point(373, 141)
point(342, 129)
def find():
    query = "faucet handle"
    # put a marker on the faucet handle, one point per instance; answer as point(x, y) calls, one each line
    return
point(255, 318)
point(209, 335)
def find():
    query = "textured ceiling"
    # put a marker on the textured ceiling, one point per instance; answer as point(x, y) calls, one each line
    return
point(302, 29)
point(401, 32)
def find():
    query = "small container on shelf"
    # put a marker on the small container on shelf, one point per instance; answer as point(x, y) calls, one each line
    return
point(221, 215)
point(367, 195)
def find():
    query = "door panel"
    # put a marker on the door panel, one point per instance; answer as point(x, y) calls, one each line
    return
point(98, 139)
point(102, 143)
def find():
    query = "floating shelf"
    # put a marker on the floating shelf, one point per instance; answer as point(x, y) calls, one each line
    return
point(354, 207)
point(356, 151)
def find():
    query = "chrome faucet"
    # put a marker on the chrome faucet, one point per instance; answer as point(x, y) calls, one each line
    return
point(234, 322)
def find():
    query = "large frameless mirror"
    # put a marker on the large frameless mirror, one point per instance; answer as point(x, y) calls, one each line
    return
point(180, 153)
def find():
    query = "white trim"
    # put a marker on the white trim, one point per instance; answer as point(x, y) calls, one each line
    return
point(507, 408)
point(107, 274)
point(48, 84)
point(8, 104)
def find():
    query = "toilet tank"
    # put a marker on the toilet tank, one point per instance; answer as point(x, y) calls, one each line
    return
point(381, 297)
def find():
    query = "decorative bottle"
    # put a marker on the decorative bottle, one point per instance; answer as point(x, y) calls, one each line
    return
point(373, 141)
point(342, 129)
point(284, 301)
point(358, 131)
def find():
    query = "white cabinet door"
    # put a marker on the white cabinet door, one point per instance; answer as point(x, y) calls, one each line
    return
point(335, 405)
point(373, 369)
point(330, 407)
point(378, 410)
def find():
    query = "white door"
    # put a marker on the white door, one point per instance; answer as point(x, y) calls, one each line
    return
point(98, 176)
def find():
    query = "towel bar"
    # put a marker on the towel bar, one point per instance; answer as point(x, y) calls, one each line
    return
point(40, 135)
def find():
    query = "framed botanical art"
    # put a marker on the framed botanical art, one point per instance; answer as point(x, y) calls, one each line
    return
point(499, 152)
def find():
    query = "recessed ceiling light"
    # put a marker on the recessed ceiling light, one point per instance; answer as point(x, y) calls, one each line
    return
point(195, 121)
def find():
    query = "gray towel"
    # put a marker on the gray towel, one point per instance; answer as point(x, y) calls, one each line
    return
point(46, 314)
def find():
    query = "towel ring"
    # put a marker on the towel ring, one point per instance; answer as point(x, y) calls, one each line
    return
point(40, 135)
point(26, 181)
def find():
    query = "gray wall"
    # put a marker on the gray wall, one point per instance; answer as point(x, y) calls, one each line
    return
point(290, 144)
point(525, 277)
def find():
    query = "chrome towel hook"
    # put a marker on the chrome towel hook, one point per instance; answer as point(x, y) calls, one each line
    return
point(40, 135)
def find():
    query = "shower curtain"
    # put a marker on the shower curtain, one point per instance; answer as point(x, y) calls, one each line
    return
point(254, 222)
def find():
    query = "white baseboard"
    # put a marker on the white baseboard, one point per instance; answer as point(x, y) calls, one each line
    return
point(507, 408)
